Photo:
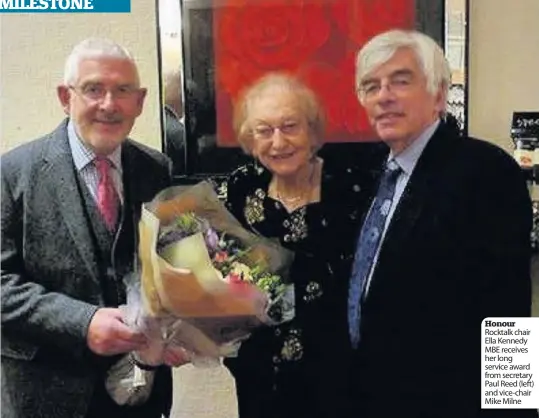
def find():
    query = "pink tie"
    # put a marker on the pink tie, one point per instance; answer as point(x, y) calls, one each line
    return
point(107, 199)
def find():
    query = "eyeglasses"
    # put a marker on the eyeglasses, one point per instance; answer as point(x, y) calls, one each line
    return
point(288, 128)
point(396, 84)
point(97, 92)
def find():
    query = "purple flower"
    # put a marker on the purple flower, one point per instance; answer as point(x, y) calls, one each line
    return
point(212, 239)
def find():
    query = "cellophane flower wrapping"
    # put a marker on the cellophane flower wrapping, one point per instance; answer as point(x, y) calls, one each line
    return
point(204, 283)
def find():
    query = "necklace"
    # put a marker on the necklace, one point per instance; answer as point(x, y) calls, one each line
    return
point(294, 200)
point(289, 199)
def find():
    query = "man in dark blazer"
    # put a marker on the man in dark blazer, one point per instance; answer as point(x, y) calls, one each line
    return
point(64, 257)
point(451, 245)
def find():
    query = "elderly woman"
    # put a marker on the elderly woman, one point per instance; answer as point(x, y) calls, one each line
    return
point(312, 206)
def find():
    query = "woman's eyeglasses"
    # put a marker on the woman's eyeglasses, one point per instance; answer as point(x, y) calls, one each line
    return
point(288, 128)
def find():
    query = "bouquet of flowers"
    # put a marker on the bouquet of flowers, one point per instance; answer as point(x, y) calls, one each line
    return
point(204, 284)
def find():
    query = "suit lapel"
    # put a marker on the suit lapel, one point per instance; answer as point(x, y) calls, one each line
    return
point(132, 178)
point(60, 176)
point(415, 195)
point(407, 212)
point(134, 182)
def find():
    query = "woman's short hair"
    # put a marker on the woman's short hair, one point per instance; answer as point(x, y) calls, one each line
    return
point(307, 99)
point(430, 56)
point(93, 48)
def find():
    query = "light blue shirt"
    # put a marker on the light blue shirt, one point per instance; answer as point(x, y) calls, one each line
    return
point(407, 161)
point(83, 157)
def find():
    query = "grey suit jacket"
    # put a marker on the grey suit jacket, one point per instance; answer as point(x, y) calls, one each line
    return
point(50, 274)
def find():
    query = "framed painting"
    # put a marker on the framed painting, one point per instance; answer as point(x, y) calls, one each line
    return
point(228, 44)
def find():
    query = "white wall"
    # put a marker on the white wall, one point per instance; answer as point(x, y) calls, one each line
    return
point(504, 65)
point(33, 48)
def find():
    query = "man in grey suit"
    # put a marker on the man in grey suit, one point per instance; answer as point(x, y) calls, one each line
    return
point(71, 202)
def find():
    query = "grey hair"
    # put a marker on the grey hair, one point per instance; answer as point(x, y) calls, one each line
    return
point(308, 102)
point(429, 54)
point(93, 48)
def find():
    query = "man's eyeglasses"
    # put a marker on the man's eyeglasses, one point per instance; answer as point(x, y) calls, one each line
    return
point(289, 128)
point(97, 92)
point(396, 84)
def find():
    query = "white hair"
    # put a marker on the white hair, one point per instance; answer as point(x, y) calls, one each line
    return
point(307, 99)
point(93, 48)
point(429, 54)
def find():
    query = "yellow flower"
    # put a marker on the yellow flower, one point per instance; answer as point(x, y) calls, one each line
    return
point(242, 270)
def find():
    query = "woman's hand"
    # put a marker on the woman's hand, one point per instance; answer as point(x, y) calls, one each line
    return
point(176, 356)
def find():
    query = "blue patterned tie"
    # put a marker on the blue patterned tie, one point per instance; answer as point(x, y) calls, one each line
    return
point(367, 245)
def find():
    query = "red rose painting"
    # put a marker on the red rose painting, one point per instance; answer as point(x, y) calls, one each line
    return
point(315, 39)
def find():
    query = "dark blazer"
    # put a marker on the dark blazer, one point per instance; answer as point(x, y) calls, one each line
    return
point(457, 250)
point(52, 280)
